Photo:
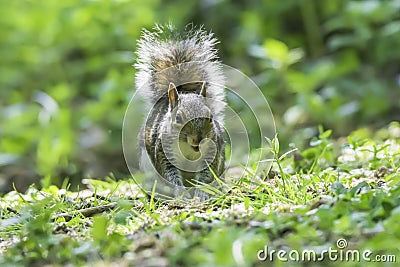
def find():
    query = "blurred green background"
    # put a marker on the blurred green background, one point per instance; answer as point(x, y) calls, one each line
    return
point(66, 76)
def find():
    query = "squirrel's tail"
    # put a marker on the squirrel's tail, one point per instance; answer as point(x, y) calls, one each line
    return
point(165, 56)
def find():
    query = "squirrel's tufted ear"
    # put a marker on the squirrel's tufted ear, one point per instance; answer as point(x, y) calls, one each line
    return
point(203, 91)
point(173, 96)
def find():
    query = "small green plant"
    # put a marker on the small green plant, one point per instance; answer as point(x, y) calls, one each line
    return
point(350, 198)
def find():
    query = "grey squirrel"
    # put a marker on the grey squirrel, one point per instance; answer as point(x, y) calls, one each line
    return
point(180, 76)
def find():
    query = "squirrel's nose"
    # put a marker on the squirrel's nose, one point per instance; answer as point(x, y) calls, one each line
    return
point(194, 142)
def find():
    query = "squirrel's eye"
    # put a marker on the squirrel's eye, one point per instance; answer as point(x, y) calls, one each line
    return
point(178, 118)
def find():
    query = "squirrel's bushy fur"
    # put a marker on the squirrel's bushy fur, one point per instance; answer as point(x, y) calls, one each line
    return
point(166, 55)
point(180, 76)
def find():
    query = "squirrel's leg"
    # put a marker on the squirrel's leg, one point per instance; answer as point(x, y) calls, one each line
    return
point(204, 176)
point(201, 195)
point(173, 175)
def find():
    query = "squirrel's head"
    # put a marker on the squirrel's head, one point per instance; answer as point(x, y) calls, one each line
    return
point(191, 118)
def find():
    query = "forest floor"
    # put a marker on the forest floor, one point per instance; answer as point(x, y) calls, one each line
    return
point(335, 203)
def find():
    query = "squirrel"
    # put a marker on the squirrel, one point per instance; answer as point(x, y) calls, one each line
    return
point(180, 76)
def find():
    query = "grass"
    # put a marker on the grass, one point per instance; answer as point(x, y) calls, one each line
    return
point(338, 196)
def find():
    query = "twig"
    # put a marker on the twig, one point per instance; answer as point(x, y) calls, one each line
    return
point(88, 212)
point(12, 210)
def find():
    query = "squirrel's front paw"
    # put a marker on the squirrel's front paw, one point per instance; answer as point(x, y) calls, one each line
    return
point(181, 193)
point(201, 195)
